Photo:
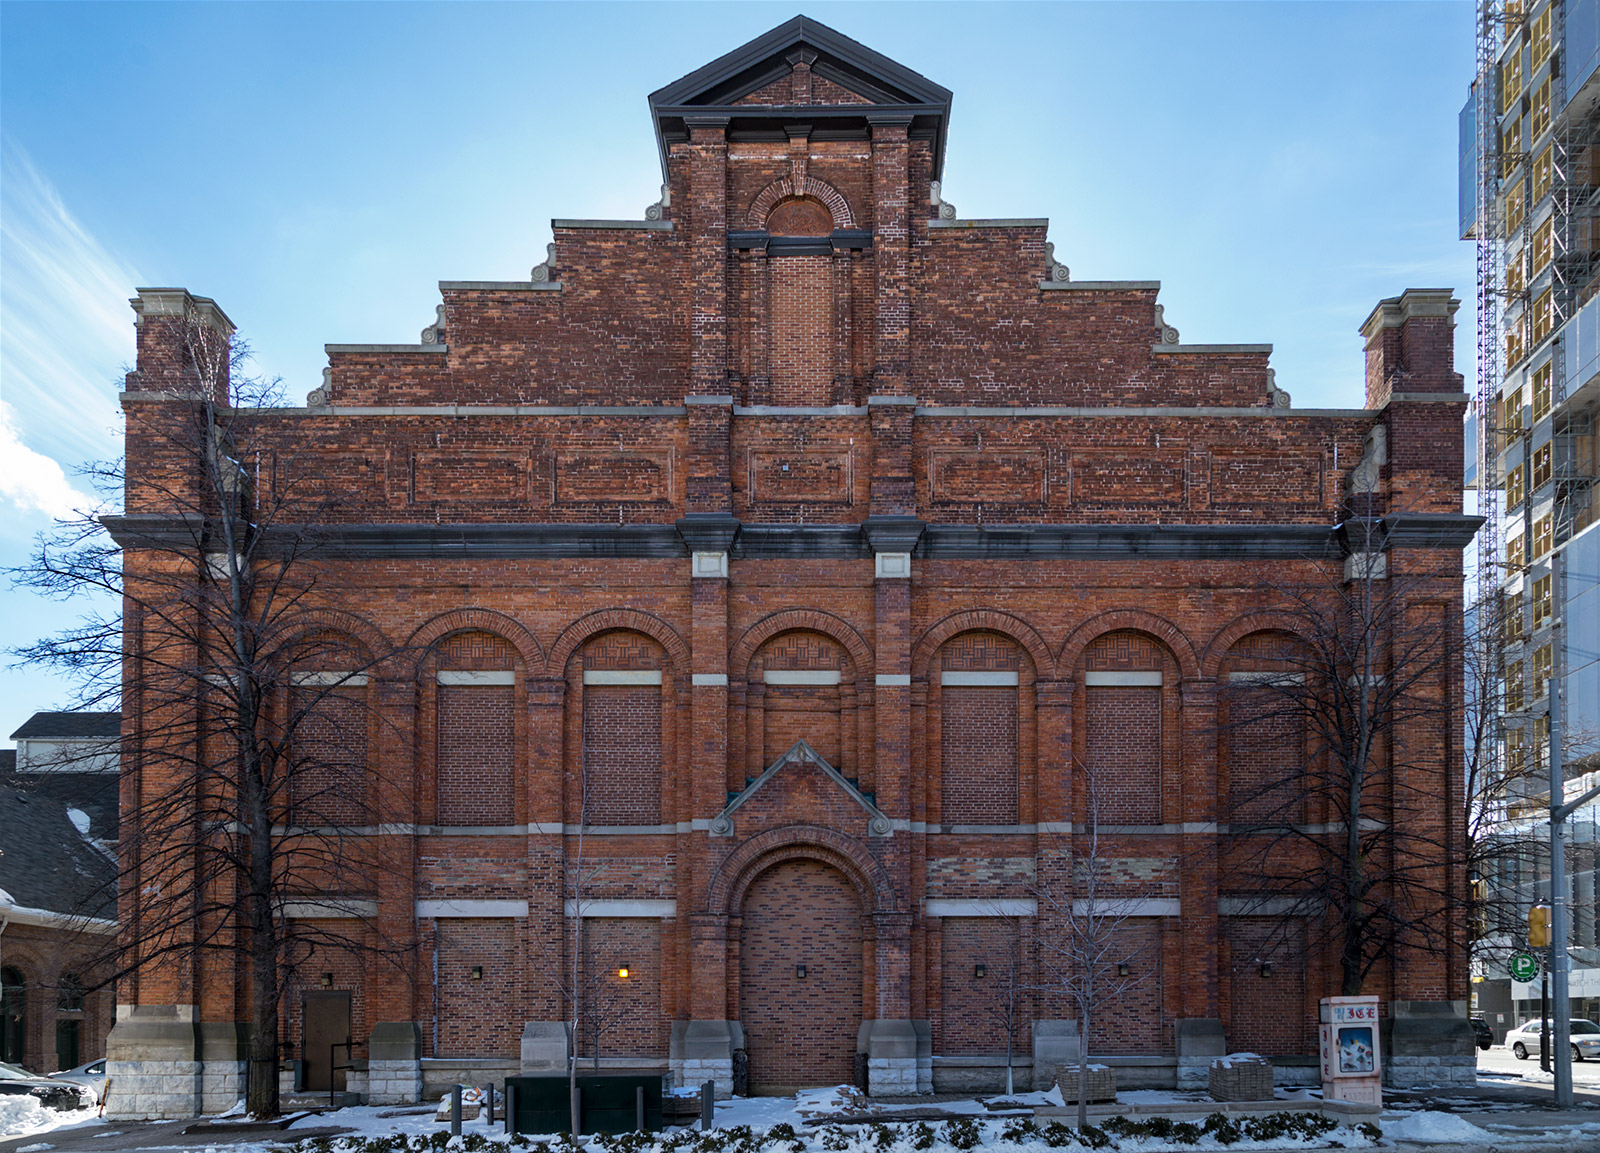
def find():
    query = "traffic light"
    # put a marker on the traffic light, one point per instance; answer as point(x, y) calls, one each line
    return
point(1539, 927)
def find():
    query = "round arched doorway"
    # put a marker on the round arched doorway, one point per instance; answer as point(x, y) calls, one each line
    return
point(800, 982)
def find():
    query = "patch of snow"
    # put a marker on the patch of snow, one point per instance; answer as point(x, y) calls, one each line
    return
point(1432, 1127)
point(24, 1116)
point(80, 821)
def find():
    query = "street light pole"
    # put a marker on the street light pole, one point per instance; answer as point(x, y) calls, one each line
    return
point(1560, 960)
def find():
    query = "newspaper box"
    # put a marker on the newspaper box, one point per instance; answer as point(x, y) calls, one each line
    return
point(1352, 1067)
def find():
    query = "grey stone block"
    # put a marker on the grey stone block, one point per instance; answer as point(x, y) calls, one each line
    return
point(545, 1046)
point(1055, 1043)
point(395, 1041)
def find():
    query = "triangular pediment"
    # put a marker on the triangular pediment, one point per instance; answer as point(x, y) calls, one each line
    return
point(801, 764)
point(750, 85)
point(871, 75)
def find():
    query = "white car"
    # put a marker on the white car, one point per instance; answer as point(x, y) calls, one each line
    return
point(1585, 1035)
point(91, 1075)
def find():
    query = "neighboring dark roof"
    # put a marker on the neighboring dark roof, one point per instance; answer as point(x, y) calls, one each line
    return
point(8, 761)
point(70, 725)
point(97, 794)
point(46, 864)
point(714, 88)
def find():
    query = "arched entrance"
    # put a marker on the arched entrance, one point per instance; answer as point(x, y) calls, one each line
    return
point(800, 980)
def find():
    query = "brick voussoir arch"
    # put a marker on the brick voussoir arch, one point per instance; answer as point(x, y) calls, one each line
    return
point(613, 620)
point(1135, 620)
point(1267, 621)
point(793, 842)
point(529, 650)
point(378, 646)
point(811, 620)
point(785, 188)
point(982, 620)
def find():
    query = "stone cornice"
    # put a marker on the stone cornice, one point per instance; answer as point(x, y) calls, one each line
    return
point(753, 541)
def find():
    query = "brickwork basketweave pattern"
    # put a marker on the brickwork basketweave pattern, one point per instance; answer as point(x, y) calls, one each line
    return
point(978, 784)
point(801, 1030)
point(476, 754)
point(622, 754)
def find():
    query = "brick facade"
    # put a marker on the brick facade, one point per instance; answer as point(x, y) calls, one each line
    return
point(805, 457)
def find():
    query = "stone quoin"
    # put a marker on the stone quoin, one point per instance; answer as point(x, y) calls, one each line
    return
point(810, 544)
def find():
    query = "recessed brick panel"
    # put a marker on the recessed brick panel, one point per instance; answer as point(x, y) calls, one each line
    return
point(978, 782)
point(801, 1031)
point(622, 754)
point(1268, 1015)
point(476, 754)
point(467, 1025)
point(1124, 741)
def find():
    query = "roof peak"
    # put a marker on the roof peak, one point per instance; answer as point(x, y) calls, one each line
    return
point(883, 84)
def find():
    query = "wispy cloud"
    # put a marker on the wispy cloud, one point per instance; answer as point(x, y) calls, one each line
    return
point(65, 330)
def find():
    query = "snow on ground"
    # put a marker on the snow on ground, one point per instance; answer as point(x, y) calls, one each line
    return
point(23, 1117)
point(1432, 1126)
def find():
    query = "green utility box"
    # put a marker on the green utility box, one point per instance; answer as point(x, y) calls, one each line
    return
point(607, 1102)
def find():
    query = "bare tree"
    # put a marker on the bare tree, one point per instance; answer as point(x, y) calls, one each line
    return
point(1081, 933)
point(247, 785)
point(1354, 814)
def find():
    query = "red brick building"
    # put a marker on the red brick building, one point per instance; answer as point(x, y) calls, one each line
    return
point(805, 545)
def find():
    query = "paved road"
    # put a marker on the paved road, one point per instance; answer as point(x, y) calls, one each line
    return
point(1500, 1061)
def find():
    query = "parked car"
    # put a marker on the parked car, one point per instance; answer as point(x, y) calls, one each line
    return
point(91, 1075)
point(1480, 1030)
point(1525, 1039)
point(15, 1081)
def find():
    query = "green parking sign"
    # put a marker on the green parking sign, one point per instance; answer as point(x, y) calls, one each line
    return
point(1523, 966)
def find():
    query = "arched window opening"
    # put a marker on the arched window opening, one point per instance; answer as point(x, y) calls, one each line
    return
point(477, 729)
point(622, 675)
point(979, 728)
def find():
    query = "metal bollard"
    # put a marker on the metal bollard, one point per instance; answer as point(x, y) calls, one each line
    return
point(708, 1107)
point(638, 1107)
point(455, 1110)
point(488, 1102)
point(511, 1110)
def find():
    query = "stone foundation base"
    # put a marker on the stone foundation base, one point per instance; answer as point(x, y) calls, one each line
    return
point(394, 1063)
point(690, 1072)
point(1194, 1072)
point(222, 1085)
point(152, 1090)
point(701, 1051)
point(1411, 1072)
point(891, 1076)
point(1234, 1080)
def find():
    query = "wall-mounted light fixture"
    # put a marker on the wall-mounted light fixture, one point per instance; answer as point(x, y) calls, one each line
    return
point(327, 980)
point(477, 972)
point(624, 970)
point(980, 970)
point(800, 972)
point(1266, 968)
point(1122, 969)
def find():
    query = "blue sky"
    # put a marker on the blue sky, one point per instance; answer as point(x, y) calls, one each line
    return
point(318, 168)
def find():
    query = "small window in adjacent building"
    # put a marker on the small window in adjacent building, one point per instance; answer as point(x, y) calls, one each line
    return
point(1511, 149)
point(1516, 753)
point(1511, 78)
point(1514, 693)
point(1543, 535)
point(1511, 416)
point(1517, 273)
point(69, 994)
point(1515, 344)
point(1514, 556)
point(1514, 487)
point(1539, 34)
point(1516, 208)
point(1542, 602)
point(1513, 617)
point(1541, 391)
point(1541, 109)
point(1543, 245)
point(1541, 670)
point(1544, 171)
point(1541, 466)
point(1544, 316)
